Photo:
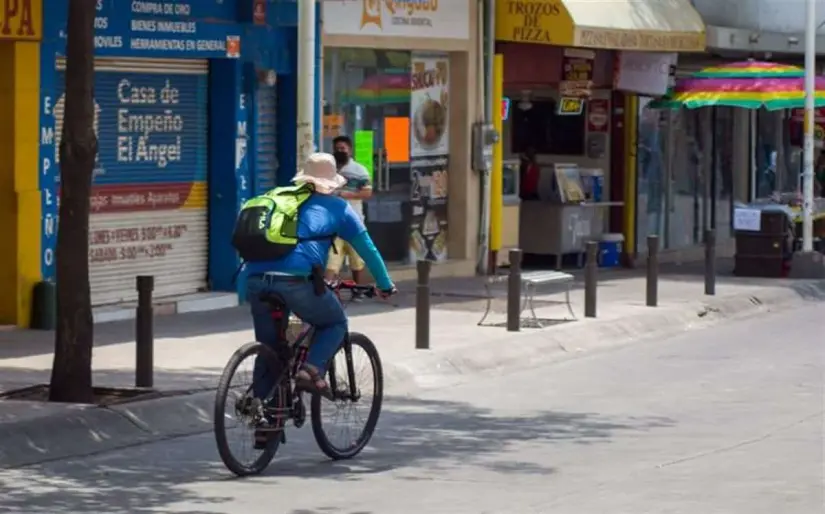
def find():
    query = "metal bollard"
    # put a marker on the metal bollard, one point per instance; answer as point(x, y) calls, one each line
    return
point(514, 292)
point(422, 305)
point(144, 333)
point(710, 262)
point(590, 277)
point(652, 293)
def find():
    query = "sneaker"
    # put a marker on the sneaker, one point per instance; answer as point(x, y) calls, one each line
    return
point(357, 296)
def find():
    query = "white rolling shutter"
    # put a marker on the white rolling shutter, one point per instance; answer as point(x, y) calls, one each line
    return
point(149, 196)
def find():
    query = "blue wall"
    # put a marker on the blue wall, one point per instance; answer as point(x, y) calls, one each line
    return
point(232, 85)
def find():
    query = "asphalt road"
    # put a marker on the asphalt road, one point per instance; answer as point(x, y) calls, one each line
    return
point(723, 421)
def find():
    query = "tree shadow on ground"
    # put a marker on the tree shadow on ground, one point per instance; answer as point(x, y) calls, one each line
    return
point(416, 440)
point(168, 381)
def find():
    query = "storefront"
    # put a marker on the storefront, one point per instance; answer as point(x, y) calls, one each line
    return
point(403, 86)
point(185, 114)
point(19, 191)
point(757, 154)
point(566, 117)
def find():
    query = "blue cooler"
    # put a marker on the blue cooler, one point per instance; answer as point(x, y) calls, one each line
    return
point(610, 250)
point(592, 183)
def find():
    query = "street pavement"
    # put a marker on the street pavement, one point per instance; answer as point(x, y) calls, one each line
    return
point(725, 420)
point(191, 349)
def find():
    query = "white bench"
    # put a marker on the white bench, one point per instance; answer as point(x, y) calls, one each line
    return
point(529, 282)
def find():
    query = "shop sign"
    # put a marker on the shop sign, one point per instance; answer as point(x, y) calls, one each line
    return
point(149, 133)
point(445, 19)
point(639, 40)
point(598, 115)
point(570, 106)
point(577, 72)
point(157, 29)
point(646, 73)
point(21, 19)
point(533, 21)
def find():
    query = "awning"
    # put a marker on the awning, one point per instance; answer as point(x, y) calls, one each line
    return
point(646, 25)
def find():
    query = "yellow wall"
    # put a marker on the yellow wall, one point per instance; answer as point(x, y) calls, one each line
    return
point(631, 111)
point(509, 232)
point(19, 192)
point(497, 174)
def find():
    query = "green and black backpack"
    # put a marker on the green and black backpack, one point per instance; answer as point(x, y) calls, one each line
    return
point(267, 225)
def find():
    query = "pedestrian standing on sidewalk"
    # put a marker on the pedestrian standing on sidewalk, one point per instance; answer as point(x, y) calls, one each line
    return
point(357, 189)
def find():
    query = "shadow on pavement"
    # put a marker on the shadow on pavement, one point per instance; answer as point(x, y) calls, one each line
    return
point(415, 440)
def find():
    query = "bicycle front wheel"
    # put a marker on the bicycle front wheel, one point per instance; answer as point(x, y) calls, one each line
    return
point(355, 367)
point(236, 406)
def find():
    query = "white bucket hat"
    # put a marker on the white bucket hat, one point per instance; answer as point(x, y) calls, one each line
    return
point(321, 171)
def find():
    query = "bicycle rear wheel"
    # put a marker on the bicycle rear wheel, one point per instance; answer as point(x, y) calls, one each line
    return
point(235, 402)
point(344, 371)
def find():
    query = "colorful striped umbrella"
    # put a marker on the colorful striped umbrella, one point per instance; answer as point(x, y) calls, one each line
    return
point(387, 88)
point(746, 84)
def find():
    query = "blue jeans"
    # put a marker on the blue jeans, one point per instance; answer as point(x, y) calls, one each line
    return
point(324, 312)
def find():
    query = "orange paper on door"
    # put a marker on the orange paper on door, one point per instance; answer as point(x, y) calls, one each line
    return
point(333, 124)
point(397, 139)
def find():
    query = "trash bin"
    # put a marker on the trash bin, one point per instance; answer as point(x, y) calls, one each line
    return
point(44, 306)
point(610, 250)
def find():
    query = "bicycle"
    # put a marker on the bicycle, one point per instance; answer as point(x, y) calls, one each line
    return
point(283, 403)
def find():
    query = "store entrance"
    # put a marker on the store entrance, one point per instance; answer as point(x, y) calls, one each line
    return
point(367, 97)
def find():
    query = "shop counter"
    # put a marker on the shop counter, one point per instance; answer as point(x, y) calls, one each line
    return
point(547, 228)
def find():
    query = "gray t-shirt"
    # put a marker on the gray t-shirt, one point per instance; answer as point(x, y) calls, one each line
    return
point(357, 179)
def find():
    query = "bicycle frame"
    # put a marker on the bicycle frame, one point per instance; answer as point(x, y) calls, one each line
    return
point(294, 361)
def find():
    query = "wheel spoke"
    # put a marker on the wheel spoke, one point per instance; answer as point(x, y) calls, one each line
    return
point(344, 426)
point(239, 416)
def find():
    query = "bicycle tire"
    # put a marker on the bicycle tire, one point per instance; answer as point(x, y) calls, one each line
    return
point(229, 460)
point(355, 339)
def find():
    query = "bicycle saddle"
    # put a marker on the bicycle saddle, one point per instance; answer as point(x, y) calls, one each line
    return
point(275, 300)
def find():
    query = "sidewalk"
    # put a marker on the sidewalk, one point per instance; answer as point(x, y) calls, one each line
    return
point(191, 350)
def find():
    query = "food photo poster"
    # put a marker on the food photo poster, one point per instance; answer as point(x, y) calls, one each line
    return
point(429, 156)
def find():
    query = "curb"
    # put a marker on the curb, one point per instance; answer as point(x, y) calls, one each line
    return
point(85, 430)
point(76, 431)
point(531, 349)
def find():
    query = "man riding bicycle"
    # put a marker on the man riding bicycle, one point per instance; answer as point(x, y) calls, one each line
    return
point(320, 218)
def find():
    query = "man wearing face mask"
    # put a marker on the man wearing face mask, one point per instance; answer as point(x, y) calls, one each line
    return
point(357, 189)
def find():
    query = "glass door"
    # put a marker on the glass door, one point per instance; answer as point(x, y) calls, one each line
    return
point(368, 93)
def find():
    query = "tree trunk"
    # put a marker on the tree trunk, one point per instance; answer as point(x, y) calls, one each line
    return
point(72, 368)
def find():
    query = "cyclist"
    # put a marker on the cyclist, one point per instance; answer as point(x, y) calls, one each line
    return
point(295, 277)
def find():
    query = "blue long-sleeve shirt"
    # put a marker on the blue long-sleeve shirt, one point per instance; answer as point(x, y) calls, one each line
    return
point(326, 215)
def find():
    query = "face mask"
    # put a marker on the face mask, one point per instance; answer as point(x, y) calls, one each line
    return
point(341, 158)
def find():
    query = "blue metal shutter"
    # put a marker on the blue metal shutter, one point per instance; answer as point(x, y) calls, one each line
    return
point(149, 196)
point(266, 139)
